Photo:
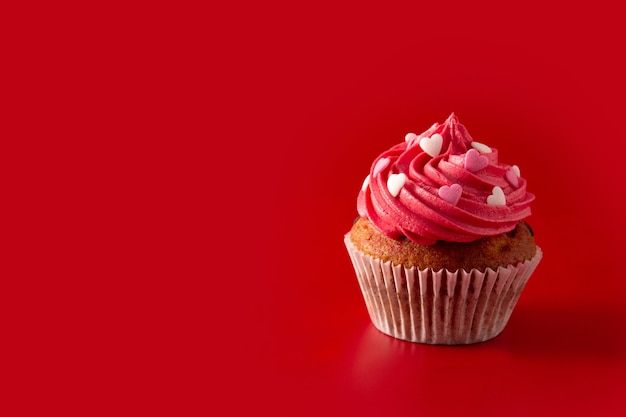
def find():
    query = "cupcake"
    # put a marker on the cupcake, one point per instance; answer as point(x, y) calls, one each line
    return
point(441, 247)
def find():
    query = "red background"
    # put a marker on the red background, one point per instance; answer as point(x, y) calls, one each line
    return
point(178, 179)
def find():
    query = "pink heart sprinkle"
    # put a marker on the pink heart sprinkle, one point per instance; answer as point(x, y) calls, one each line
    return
point(451, 194)
point(380, 165)
point(474, 161)
point(511, 177)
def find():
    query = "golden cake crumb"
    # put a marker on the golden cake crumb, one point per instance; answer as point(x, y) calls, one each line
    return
point(505, 249)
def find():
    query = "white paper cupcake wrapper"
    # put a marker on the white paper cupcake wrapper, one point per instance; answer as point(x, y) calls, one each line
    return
point(439, 307)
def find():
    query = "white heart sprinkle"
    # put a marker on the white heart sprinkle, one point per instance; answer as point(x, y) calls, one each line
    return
point(395, 182)
point(497, 197)
point(432, 145)
point(409, 137)
point(366, 182)
point(516, 170)
point(480, 147)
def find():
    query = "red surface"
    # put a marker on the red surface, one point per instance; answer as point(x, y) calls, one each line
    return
point(179, 179)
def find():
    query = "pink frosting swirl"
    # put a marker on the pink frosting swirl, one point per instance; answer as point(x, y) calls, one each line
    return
point(456, 192)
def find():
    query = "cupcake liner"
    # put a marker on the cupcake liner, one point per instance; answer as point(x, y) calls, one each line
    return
point(439, 307)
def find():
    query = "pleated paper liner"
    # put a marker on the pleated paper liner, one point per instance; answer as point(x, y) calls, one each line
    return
point(439, 307)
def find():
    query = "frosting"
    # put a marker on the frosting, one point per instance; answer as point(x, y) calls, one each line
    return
point(442, 185)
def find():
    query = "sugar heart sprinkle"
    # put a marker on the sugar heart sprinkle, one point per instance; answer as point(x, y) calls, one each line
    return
point(475, 161)
point(480, 147)
point(432, 145)
point(395, 182)
point(512, 176)
point(451, 194)
point(411, 139)
point(497, 197)
point(410, 136)
point(380, 165)
point(366, 182)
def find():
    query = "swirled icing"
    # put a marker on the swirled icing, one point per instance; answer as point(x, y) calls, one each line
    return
point(456, 192)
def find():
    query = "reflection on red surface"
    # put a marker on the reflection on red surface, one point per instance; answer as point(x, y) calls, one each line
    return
point(549, 355)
